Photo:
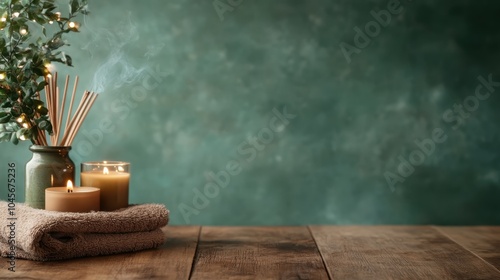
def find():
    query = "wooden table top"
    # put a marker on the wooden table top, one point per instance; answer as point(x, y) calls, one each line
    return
point(314, 252)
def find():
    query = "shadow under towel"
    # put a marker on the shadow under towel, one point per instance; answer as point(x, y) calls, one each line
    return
point(47, 235)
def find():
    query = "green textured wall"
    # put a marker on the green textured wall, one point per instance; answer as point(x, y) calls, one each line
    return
point(186, 89)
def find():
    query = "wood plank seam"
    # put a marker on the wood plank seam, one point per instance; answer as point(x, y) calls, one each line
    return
point(465, 248)
point(193, 263)
point(320, 253)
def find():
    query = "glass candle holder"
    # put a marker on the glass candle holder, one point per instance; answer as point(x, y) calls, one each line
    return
point(112, 177)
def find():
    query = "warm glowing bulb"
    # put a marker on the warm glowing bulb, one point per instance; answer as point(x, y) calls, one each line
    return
point(16, 14)
point(58, 14)
point(69, 186)
point(72, 25)
point(19, 120)
point(105, 170)
point(25, 125)
point(23, 31)
point(49, 67)
point(2, 76)
point(49, 76)
point(3, 19)
point(39, 107)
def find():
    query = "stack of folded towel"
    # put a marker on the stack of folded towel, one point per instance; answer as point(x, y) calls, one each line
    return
point(46, 235)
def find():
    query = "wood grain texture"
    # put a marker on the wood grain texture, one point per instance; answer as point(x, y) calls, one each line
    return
point(396, 252)
point(257, 253)
point(349, 252)
point(172, 261)
point(481, 240)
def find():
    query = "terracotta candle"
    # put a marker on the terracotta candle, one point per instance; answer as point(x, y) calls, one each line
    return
point(72, 199)
point(112, 178)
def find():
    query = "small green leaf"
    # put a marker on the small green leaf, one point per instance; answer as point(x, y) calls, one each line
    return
point(21, 132)
point(43, 125)
point(16, 110)
point(4, 117)
point(8, 31)
point(56, 43)
point(41, 85)
point(42, 111)
point(13, 139)
point(68, 60)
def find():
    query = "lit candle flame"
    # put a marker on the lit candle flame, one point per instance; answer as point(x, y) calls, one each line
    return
point(105, 170)
point(69, 186)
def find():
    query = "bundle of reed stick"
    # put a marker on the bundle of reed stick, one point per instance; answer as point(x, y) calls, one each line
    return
point(63, 136)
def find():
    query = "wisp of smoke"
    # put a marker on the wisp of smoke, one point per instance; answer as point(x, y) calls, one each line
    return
point(116, 71)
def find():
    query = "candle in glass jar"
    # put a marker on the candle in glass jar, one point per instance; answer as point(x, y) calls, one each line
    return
point(72, 199)
point(112, 178)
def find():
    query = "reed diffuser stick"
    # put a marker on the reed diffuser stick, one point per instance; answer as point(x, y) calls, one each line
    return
point(54, 87)
point(74, 119)
point(61, 113)
point(89, 102)
point(56, 111)
point(48, 98)
point(71, 103)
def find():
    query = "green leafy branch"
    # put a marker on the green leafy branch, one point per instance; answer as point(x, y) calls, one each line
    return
point(26, 53)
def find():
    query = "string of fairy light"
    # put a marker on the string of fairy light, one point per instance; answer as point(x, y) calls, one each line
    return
point(24, 31)
point(71, 24)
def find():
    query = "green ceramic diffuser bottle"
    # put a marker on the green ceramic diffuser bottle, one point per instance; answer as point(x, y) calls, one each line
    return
point(50, 166)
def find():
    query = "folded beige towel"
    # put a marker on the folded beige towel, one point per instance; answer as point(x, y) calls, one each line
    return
point(46, 235)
